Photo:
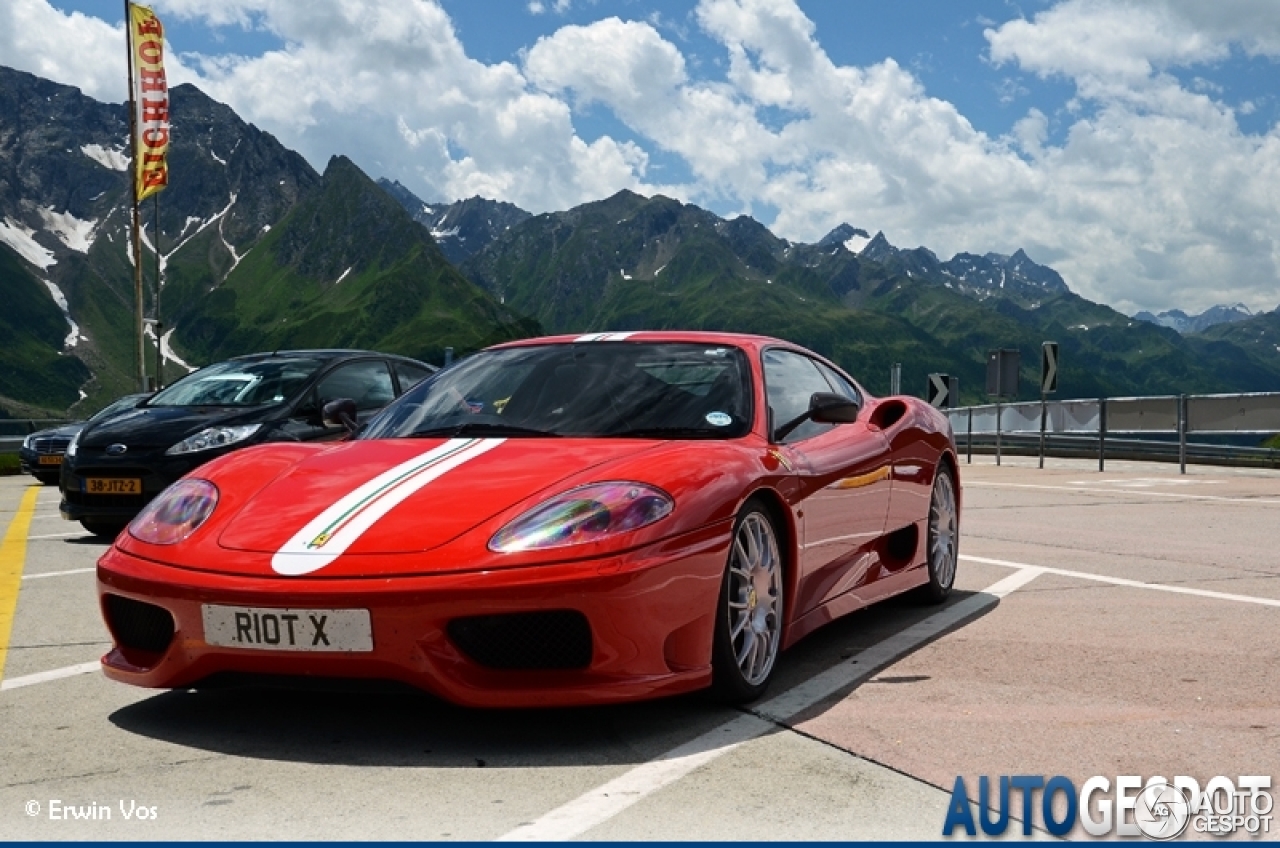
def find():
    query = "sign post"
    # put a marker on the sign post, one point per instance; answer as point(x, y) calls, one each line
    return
point(1002, 381)
point(1048, 385)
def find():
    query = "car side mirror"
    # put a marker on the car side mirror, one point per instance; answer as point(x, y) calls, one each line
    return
point(830, 408)
point(340, 412)
point(825, 408)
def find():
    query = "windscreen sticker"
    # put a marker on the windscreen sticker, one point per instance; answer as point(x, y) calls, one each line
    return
point(603, 337)
point(329, 534)
point(719, 419)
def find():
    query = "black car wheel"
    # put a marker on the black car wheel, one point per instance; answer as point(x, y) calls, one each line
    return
point(47, 479)
point(749, 618)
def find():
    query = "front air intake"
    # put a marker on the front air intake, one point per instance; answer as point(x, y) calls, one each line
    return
point(553, 639)
point(137, 625)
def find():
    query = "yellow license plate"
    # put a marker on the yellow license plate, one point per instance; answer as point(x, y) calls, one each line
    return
point(112, 486)
point(51, 460)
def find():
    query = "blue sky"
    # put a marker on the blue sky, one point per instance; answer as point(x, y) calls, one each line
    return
point(1133, 146)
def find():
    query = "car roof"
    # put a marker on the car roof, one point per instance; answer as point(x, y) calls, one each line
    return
point(324, 353)
point(747, 340)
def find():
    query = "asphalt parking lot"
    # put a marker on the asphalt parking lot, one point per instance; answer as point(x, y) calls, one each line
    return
point(1105, 624)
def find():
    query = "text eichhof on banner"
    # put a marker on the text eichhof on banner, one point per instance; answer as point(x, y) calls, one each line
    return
point(151, 101)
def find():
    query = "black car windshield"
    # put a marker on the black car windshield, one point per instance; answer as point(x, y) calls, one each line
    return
point(118, 405)
point(603, 389)
point(240, 383)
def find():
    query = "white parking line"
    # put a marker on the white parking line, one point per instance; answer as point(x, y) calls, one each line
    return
point(1137, 584)
point(58, 535)
point(1122, 492)
point(46, 676)
point(604, 802)
point(39, 575)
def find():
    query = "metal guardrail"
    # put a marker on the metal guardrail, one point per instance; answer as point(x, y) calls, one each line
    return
point(1066, 426)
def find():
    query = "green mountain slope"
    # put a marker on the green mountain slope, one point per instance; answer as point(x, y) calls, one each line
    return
point(347, 267)
point(32, 369)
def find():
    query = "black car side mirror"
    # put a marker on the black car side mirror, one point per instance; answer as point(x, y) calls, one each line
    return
point(340, 412)
point(825, 408)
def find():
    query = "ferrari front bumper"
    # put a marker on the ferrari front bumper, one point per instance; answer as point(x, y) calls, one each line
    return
point(472, 638)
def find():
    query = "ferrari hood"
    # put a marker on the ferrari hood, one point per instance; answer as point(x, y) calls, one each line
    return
point(401, 496)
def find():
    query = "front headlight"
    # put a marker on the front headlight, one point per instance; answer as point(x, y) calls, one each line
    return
point(176, 513)
point(213, 437)
point(73, 444)
point(26, 443)
point(585, 514)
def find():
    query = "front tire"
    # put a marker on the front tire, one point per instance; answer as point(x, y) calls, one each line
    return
point(943, 540)
point(749, 615)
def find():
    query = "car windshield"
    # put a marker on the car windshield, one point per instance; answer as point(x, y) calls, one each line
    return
point(603, 389)
point(118, 405)
point(240, 383)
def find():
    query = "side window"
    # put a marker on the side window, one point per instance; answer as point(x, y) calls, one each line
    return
point(410, 374)
point(839, 383)
point(368, 383)
point(789, 381)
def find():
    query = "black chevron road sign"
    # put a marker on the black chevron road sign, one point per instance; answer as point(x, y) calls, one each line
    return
point(944, 390)
point(1048, 368)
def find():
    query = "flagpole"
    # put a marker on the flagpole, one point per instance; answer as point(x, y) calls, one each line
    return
point(135, 229)
point(159, 327)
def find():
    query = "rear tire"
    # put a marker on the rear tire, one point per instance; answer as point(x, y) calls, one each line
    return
point(943, 539)
point(102, 527)
point(47, 479)
point(748, 630)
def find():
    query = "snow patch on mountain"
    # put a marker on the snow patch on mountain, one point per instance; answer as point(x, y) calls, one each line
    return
point(73, 337)
point(22, 239)
point(114, 158)
point(70, 230)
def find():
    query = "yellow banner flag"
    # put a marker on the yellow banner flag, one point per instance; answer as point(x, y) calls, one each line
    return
point(150, 95)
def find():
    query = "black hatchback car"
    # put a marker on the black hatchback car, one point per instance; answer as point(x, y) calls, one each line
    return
point(112, 468)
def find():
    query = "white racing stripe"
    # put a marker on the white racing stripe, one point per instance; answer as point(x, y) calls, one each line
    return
point(46, 676)
point(1121, 581)
point(604, 802)
point(331, 532)
point(603, 337)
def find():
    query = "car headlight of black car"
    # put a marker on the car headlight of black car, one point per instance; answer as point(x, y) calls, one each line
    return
point(73, 445)
point(26, 443)
point(213, 437)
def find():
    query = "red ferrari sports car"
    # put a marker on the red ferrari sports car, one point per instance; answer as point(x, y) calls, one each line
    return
point(561, 520)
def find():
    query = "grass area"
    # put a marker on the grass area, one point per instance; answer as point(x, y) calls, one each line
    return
point(9, 464)
point(1273, 442)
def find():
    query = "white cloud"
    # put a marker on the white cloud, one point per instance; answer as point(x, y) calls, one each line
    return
point(1142, 191)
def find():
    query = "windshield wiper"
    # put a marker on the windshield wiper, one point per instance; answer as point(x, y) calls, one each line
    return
point(666, 433)
point(482, 428)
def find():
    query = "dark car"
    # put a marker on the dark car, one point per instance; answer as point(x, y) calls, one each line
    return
point(114, 467)
point(42, 452)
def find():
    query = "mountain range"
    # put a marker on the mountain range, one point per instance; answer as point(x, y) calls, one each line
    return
point(1182, 322)
point(259, 251)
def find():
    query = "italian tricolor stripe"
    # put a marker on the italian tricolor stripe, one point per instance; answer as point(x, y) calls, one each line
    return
point(329, 534)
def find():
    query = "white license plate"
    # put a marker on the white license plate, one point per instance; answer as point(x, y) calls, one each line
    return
point(273, 629)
